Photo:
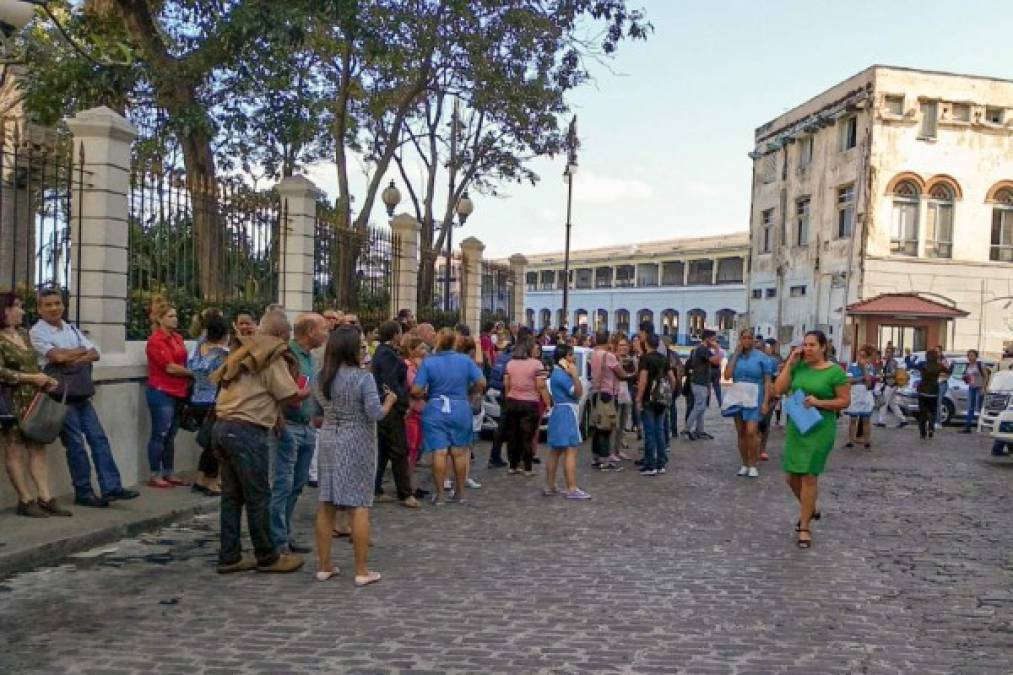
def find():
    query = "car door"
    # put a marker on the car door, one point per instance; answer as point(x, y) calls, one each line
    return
point(956, 388)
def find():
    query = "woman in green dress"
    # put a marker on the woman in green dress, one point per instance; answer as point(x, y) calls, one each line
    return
point(21, 379)
point(805, 455)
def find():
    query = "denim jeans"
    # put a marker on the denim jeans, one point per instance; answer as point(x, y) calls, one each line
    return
point(672, 426)
point(80, 425)
point(293, 453)
point(716, 384)
point(974, 400)
point(244, 471)
point(943, 387)
point(655, 442)
point(695, 422)
point(164, 425)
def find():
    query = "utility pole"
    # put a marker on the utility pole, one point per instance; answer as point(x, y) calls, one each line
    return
point(571, 168)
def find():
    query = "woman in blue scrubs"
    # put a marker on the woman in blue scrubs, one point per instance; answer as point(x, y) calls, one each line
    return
point(750, 366)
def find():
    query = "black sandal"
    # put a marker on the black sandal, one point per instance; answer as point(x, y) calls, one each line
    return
point(815, 516)
point(804, 543)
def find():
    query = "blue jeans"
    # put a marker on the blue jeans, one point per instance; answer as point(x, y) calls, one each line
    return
point(292, 457)
point(974, 400)
point(164, 425)
point(943, 386)
point(655, 443)
point(244, 471)
point(695, 422)
point(716, 384)
point(80, 425)
point(672, 421)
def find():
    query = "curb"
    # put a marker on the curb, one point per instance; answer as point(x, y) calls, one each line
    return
point(53, 552)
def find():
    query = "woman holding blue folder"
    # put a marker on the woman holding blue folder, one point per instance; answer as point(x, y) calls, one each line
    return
point(826, 389)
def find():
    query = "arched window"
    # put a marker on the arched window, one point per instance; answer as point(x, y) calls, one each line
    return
point(529, 318)
point(601, 320)
point(726, 319)
point(696, 319)
point(644, 315)
point(670, 323)
point(904, 228)
point(545, 318)
point(1002, 225)
point(623, 321)
point(939, 221)
point(580, 318)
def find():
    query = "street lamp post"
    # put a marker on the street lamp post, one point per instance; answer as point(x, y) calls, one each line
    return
point(464, 208)
point(568, 174)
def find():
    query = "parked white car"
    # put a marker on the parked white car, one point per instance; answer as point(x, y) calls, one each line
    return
point(490, 402)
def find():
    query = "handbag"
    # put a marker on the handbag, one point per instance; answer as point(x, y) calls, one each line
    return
point(604, 414)
point(75, 379)
point(207, 425)
point(43, 419)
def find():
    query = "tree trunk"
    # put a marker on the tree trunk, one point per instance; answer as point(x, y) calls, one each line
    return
point(209, 235)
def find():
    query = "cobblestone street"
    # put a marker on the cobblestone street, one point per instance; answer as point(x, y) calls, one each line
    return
point(695, 571)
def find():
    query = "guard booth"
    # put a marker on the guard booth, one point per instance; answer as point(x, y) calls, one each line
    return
point(908, 320)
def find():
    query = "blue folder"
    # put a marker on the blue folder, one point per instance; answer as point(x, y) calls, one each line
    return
point(804, 418)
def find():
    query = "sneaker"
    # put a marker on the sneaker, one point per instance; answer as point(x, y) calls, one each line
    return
point(245, 564)
point(661, 471)
point(753, 472)
point(286, 562)
point(382, 498)
point(614, 459)
point(121, 495)
point(577, 494)
point(472, 483)
point(764, 457)
point(455, 499)
point(704, 434)
point(546, 492)
point(92, 501)
point(410, 503)
point(648, 472)
point(743, 470)
point(447, 484)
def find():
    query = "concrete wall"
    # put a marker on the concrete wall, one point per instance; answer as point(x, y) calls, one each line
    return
point(120, 402)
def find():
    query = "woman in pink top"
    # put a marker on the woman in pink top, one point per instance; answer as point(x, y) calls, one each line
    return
point(413, 349)
point(524, 388)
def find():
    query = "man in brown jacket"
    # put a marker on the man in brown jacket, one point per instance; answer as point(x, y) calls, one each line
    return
point(256, 381)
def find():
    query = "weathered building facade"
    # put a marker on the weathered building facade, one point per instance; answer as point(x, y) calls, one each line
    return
point(893, 182)
point(681, 285)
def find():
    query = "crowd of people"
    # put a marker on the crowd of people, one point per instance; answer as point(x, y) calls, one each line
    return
point(277, 406)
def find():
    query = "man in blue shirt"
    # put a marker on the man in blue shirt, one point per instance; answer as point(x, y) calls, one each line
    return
point(61, 348)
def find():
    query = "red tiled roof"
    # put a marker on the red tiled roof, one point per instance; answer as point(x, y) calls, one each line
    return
point(906, 304)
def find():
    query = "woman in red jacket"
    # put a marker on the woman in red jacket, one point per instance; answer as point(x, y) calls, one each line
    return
point(168, 379)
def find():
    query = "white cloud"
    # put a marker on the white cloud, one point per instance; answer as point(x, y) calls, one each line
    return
point(597, 189)
point(702, 189)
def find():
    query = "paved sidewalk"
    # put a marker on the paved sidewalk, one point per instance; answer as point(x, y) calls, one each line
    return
point(33, 542)
point(696, 571)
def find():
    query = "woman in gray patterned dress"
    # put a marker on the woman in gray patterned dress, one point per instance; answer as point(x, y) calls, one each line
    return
point(346, 464)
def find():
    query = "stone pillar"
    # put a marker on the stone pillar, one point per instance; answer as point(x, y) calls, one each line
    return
point(98, 251)
point(406, 276)
point(299, 210)
point(518, 269)
point(471, 286)
point(715, 263)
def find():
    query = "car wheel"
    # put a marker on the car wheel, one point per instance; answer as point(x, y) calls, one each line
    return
point(948, 412)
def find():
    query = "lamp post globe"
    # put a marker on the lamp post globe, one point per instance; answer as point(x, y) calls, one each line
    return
point(465, 207)
point(391, 197)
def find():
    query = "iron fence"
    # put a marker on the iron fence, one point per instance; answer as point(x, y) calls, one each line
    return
point(444, 311)
point(39, 175)
point(199, 245)
point(355, 270)
point(497, 292)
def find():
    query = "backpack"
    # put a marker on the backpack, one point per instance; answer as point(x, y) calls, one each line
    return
point(661, 391)
point(498, 370)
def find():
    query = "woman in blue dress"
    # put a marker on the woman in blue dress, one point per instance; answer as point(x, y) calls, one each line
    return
point(208, 355)
point(564, 428)
point(749, 366)
point(446, 379)
point(861, 376)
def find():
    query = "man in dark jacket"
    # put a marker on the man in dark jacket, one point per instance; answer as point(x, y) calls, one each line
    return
point(390, 372)
point(496, 382)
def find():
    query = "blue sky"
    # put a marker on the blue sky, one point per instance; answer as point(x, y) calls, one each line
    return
point(664, 138)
